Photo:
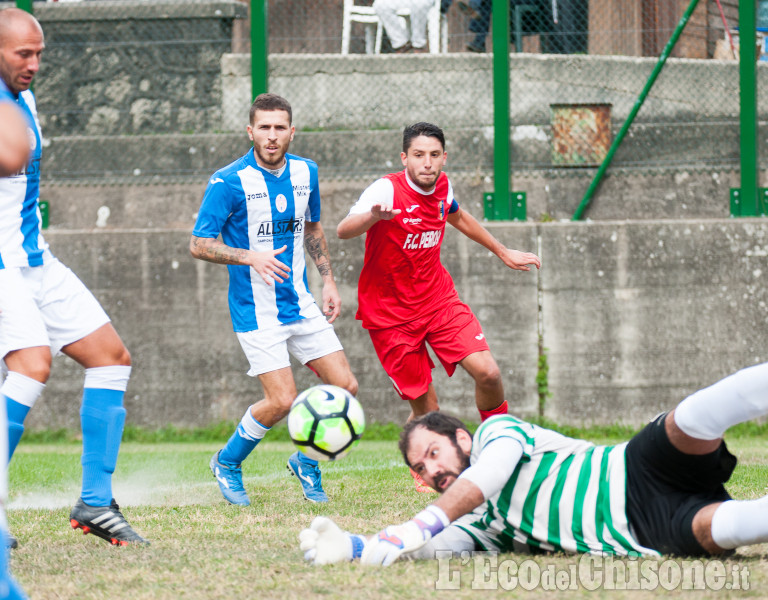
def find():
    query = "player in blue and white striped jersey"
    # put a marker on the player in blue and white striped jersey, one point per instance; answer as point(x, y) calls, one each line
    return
point(266, 208)
point(45, 308)
point(515, 486)
point(14, 153)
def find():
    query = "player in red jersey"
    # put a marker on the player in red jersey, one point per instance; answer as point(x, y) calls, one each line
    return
point(406, 296)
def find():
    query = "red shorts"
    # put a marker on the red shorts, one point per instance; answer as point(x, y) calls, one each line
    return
point(453, 333)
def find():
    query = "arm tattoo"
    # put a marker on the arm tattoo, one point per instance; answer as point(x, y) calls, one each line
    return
point(216, 251)
point(318, 251)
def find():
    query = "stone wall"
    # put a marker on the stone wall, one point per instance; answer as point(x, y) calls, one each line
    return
point(133, 67)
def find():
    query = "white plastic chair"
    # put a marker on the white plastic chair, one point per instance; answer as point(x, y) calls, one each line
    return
point(355, 13)
point(437, 27)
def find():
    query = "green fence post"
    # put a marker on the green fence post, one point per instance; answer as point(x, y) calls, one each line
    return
point(497, 205)
point(45, 212)
point(748, 197)
point(635, 109)
point(259, 48)
point(24, 5)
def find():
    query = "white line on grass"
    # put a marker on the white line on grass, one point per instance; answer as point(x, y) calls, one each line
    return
point(143, 488)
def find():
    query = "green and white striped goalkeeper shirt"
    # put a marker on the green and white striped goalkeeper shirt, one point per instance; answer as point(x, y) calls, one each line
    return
point(565, 495)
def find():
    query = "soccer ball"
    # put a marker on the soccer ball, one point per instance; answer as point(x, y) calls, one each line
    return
point(325, 422)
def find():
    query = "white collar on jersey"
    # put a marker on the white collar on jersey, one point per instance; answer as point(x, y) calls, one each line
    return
point(416, 188)
point(276, 172)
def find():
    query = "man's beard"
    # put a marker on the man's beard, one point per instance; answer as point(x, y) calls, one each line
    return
point(463, 463)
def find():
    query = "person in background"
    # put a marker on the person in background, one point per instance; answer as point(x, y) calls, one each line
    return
point(401, 39)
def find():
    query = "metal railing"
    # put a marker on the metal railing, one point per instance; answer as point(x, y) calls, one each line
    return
point(121, 76)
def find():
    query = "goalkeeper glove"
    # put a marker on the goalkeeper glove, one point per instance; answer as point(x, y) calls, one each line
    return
point(390, 543)
point(324, 543)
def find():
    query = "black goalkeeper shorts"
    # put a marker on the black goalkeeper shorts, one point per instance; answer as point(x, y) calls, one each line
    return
point(666, 488)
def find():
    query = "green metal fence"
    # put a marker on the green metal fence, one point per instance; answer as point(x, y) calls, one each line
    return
point(137, 91)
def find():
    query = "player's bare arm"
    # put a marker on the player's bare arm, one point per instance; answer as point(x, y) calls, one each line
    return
point(264, 263)
point(354, 225)
point(317, 247)
point(514, 259)
point(14, 142)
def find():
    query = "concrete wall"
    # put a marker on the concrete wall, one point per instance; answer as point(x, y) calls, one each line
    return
point(334, 91)
point(679, 161)
point(637, 315)
point(172, 170)
point(657, 296)
point(634, 316)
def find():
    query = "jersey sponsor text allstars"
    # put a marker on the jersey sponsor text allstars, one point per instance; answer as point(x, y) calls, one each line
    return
point(255, 209)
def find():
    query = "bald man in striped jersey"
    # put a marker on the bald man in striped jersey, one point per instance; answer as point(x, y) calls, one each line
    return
point(45, 309)
point(515, 486)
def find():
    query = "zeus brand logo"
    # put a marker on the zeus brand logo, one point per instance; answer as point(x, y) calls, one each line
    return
point(273, 228)
point(425, 239)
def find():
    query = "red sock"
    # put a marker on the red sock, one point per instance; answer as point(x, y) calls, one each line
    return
point(501, 409)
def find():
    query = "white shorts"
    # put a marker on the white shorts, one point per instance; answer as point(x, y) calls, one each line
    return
point(45, 306)
point(307, 339)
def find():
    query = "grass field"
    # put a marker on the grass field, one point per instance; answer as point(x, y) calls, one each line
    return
point(202, 548)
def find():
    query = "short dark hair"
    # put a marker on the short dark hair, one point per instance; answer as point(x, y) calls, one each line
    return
point(270, 101)
point(422, 128)
point(435, 421)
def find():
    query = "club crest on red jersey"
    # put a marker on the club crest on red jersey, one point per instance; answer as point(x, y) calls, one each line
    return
point(441, 209)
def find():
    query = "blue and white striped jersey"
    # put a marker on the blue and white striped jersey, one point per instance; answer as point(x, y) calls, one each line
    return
point(254, 209)
point(21, 241)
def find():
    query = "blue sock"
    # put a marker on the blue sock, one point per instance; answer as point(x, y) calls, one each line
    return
point(303, 458)
point(17, 412)
point(247, 436)
point(12, 589)
point(19, 394)
point(237, 449)
point(102, 418)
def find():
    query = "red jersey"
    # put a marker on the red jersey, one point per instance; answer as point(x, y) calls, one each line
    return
point(402, 277)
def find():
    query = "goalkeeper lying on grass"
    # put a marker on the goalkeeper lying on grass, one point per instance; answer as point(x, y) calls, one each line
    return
point(516, 486)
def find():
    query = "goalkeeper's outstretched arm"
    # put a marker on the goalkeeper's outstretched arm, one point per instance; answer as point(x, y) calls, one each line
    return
point(324, 542)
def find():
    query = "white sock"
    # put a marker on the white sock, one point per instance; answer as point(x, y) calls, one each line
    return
point(708, 413)
point(252, 427)
point(114, 377)
point(21, 389)
point(740, 523)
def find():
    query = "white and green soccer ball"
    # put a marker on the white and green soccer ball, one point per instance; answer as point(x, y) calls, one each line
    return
point(326, 422)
